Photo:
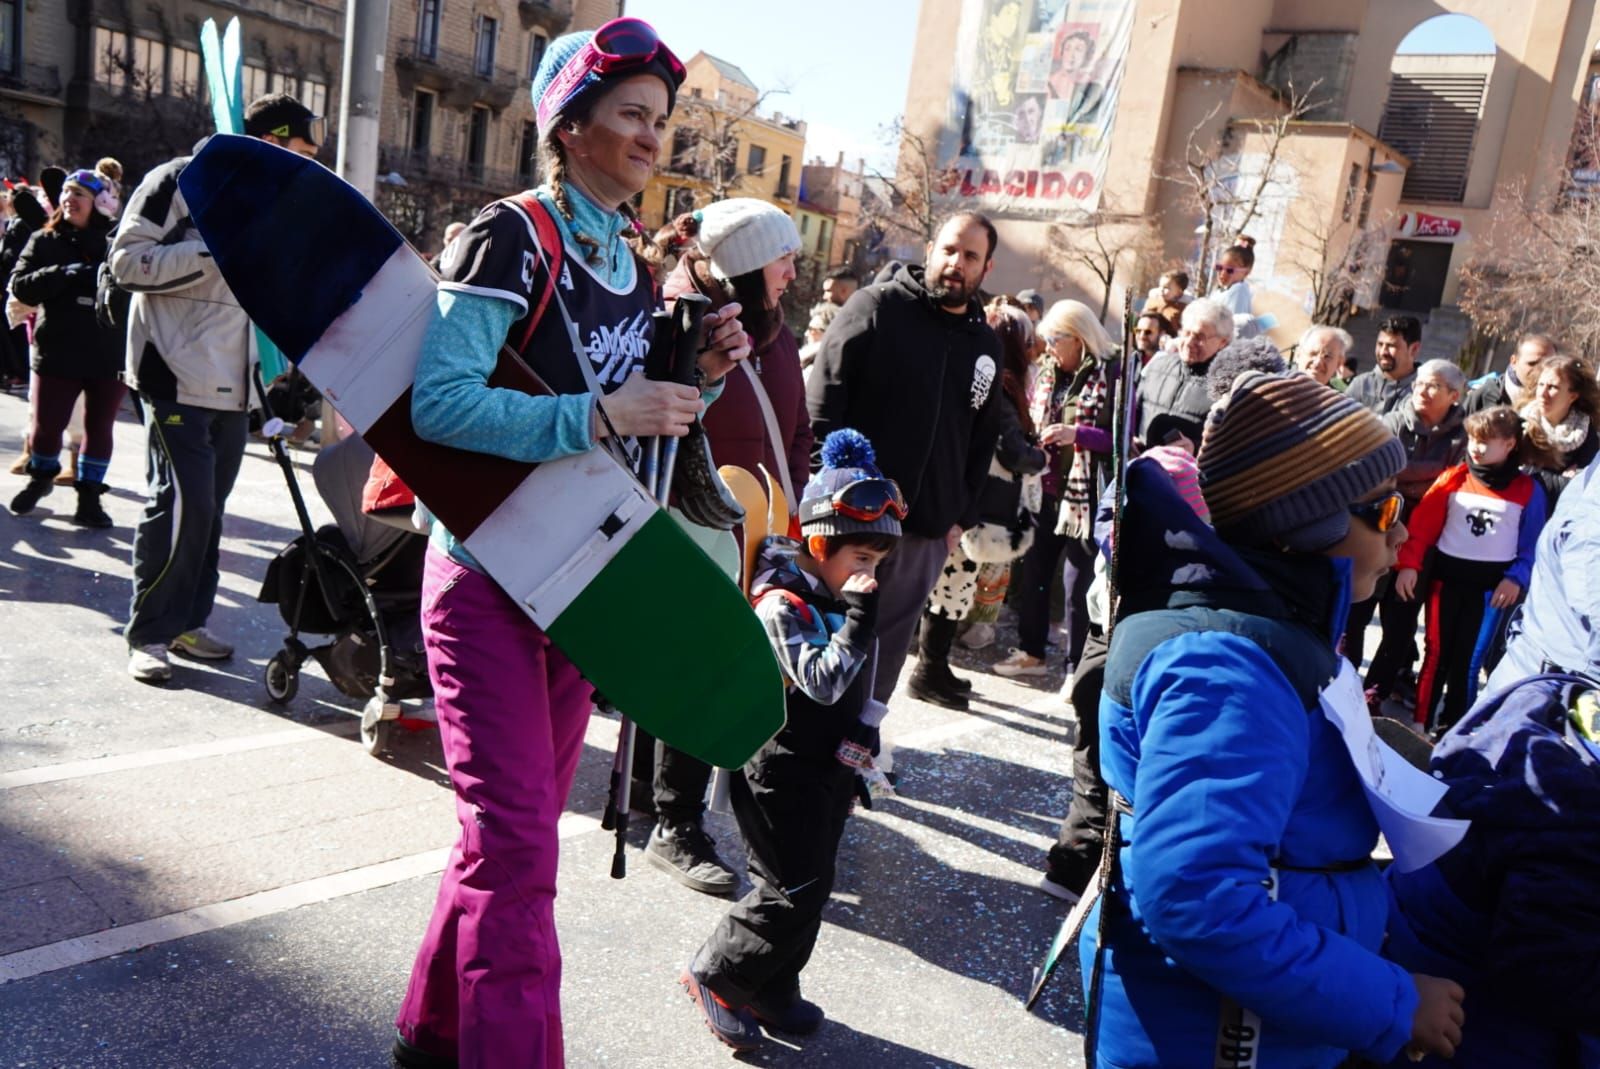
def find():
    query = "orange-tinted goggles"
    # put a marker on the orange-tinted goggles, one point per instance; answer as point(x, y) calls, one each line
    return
point(1383, 513)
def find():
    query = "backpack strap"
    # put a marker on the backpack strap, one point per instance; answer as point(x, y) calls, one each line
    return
point(799, 604)
point(549, 237)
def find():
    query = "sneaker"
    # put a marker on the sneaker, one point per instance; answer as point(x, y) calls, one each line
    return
point(149, 664)
point(1020, 664)
point(978, 636)
point(686, 853)
point(735, 1026)
point(1058, 890)
point(795, 1016)
point(201, 645)
point(1066, 688)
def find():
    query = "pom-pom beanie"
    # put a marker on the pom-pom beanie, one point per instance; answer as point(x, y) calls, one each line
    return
point(847, 457)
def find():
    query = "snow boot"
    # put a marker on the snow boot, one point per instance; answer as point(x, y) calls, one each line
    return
point(932, 681)
point(40, 483)
point(89, 513)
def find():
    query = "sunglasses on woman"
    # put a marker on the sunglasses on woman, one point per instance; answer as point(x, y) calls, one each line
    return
point(620, 45)
point(864, 501)
point(1383, 512)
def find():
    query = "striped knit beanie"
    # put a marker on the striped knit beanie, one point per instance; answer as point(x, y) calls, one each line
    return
point(1283, 458)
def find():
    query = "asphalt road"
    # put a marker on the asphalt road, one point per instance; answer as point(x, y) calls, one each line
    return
point(191, 876)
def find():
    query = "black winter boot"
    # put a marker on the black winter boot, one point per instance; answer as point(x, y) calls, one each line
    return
point(932, 681)
point(89, 513)
point(39, 485)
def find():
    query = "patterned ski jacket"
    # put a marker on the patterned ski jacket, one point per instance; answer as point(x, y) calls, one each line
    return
point(824, 646)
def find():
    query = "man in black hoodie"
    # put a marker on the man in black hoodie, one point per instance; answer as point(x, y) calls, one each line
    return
point(911, 363)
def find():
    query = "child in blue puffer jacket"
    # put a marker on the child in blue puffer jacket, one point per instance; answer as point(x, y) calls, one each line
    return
point(1242, 916)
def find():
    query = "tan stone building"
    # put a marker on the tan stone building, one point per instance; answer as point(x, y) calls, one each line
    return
point(1393, 164)
point(89, 78)
point(837, 189)
point(457, 123)
point(719, 144)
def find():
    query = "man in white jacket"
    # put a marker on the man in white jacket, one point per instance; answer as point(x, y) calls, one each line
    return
point(188, 361)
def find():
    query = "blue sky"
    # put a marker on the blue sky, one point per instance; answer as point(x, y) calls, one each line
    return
point(1449, 34)
point(844, 62)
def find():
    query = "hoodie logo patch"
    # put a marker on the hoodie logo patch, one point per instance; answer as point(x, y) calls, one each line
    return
point(982, 380)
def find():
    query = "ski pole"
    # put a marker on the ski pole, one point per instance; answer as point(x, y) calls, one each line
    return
point(688, 313)
point(673, 350)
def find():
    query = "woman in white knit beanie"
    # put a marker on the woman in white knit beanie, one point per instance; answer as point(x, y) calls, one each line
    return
point(733, 250)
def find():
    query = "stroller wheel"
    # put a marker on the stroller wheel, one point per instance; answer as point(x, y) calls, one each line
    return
point(377, 723)
point(376, 737)
point(282, 679)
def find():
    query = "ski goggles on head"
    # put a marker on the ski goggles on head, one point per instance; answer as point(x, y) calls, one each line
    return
point(310, 129)
point(865, 500)
point(92, 181)
point(621, 45)
point(1382, 513)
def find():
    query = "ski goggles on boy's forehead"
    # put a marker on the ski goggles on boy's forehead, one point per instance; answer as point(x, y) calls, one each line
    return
point(620, 45)
point(1383, 513)
point(865, 500)
point(94, 182)
point(309, 130)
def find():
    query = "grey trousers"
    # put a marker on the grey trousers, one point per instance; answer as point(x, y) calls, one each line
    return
point(904, 582)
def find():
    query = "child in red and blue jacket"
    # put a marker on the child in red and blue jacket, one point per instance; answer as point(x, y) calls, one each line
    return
point(1482, 519)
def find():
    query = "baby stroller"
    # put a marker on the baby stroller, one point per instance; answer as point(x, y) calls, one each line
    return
point(359, 583)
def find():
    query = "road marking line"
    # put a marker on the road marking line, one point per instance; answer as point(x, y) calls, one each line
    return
point(83, 949)
point(29, 777)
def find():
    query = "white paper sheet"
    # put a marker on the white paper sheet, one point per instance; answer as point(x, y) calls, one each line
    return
point(1401, 795)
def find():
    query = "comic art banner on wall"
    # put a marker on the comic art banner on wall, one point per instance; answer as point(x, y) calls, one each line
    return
point(1032, 102)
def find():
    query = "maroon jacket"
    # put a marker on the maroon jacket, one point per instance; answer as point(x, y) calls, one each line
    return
point(734, 423)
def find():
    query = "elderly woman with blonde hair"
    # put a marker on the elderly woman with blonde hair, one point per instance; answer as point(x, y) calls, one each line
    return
point(1071, 404)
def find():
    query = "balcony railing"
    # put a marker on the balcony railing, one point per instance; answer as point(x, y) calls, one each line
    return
point(458, 75)
point(415, 166)
point(34, 78)
point(552, 16)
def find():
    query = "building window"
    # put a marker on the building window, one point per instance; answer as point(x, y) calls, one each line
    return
point(110, 58)
point(758, 160)
point(185, 72)
point(10, 36)
point(314, 95)
point(730, 162)
point(422, 122)
point(285, 83)
point(1366, 197)
point(478, 142)
point(256, 80)
point(683, 151)
point(149, 66)
point(536, 46)
point(428, 29)
point(1432, 118)
point(483, 53)
point(1351, 190)
point(783, 176)
point(680, 201)
point(805, 223)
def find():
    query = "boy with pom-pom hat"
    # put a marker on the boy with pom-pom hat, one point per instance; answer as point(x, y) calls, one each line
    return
point(818, 600)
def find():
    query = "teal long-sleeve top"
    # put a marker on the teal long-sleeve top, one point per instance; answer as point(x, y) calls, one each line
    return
point(452, 402)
